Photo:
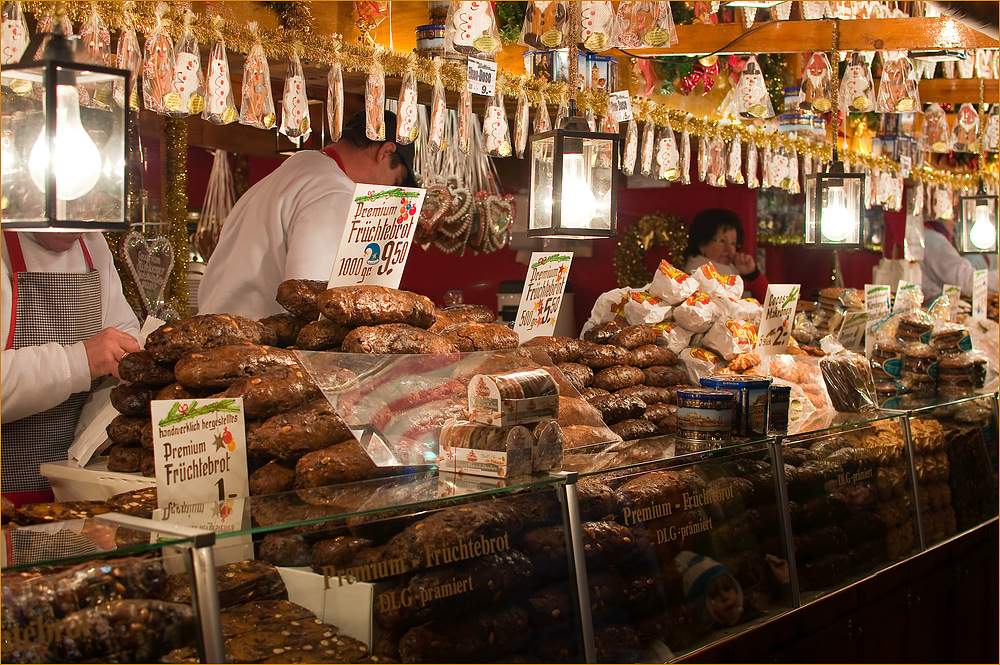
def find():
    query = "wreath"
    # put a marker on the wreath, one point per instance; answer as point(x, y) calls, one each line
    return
point(655, 230)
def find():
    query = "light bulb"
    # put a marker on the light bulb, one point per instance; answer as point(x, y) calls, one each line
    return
point(983, 234)
point(835, 220)
point(578, 202)
point(77, 160)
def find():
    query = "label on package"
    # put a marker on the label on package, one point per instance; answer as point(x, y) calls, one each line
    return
point(542, 294)
point(852, 330)
point(954, 293)
point(377, 236)
point(979, 294)
point(200, 450)
point(620, 106)
point(877, 298)
point(482, 77)
point(776, 321)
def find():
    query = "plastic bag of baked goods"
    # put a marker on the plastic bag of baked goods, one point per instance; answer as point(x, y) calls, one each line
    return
point(672, 336)
point(848, 378)
point(672, 284)
point(645, 307)
point(729, 336)
point(698, 363)
point(697, 313)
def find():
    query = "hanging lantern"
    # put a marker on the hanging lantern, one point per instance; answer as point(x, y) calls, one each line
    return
point(978, 222)
point(573, 191)
point(835, 202)
point(63, 163)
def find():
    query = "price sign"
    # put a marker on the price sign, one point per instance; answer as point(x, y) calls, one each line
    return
point(852, 330)
point(377, 236)
point(200, 450)
point(979, 294)
point(482, 77)
point(776, 323)
point(908, 296)
point(905, 164)
point(620, 106)
point(877, 297)
point(542, 294)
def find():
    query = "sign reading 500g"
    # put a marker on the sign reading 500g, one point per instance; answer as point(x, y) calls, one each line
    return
point(377, 236)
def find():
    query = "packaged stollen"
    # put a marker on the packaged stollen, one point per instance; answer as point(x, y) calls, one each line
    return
point(335, 102)
point(697, 313)
point(514, 398)
point(729, 337)
point(645, 307)
point(672, 336)
point(484, 450)
point(608, 307)
point(848, 378)
point(722, 289)
point(672, 284)
point(698, 363)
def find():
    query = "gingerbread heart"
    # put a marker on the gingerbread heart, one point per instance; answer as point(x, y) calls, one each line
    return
point(149, 262)
point(437, 202)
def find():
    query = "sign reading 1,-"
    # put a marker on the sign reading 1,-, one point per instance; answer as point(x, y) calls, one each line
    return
point(377, 236)
point(542, 294)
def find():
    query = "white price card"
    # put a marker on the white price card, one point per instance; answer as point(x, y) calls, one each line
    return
point(377, 236)
point(776, 322)
point(877, 297)
point(200, 450)
point(954, 293)
point(620, 106)
point(908, 296)
point(979, 294)
point(542, 294)
point(852, 330)
point(482, 77)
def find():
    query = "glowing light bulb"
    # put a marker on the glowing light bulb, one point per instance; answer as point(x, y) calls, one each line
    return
point(77, 160)
point(835, 221)
point(983, 234)
point(578, 202)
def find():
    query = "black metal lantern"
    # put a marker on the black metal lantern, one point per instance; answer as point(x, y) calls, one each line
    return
point(64, 143)
point(835, 203)
point(978, 222)
point(574, 182)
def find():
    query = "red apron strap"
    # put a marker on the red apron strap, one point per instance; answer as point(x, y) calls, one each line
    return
point(86, 254)
point(16, 266)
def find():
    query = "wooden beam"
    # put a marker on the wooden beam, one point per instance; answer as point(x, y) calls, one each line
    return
point(959, 91)
point(894, 34)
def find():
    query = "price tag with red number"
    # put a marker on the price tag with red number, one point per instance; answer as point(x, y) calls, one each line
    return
point(542, 294)
point(377, 236)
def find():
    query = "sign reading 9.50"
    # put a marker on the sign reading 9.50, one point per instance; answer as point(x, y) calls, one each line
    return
point(377, 236)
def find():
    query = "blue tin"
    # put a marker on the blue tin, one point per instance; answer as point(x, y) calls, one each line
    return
point(750, 399)
point(704, 414)
point(780, 400)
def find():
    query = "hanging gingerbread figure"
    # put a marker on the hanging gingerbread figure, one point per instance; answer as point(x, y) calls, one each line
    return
point(544, 25)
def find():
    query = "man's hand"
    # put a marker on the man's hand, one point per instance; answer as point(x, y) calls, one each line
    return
point(105, 349)
point(744, 264)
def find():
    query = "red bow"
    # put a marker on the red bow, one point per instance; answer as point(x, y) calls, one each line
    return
point(700, 74)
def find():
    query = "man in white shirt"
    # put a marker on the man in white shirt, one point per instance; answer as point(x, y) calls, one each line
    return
point(289, 225)
point(943, 264)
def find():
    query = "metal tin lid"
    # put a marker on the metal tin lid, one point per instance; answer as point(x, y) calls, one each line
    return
point(429, 26)
point(704, 394)
point(734, 381)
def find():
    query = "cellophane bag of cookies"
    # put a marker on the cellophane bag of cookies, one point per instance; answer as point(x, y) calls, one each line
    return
point(848, 378)
point(672, 284)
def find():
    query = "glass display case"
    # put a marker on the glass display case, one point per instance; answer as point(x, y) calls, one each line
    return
point(647, 551)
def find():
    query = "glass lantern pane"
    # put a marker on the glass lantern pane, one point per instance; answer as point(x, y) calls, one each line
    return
point(810, 196)
point(88, 148)
point(540, 212)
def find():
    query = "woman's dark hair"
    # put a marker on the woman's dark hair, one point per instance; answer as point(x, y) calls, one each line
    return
point(706, 224)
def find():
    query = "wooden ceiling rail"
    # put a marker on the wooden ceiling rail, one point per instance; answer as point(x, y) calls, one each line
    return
point(895, 34)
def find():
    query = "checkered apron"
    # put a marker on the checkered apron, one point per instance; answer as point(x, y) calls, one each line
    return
point(47, 307)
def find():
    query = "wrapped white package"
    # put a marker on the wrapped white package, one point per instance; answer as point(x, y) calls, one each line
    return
point(644, 307)
point(607, 307)
point(715, 284)
point(672, 284)
point(672, 336)
point(699, 362)
point(697, 313)
point(729, 337)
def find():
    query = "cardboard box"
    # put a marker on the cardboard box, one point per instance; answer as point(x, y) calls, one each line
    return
point(92, 482)
point(491, 403)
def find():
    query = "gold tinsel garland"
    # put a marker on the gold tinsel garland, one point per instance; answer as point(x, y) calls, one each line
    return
point(327, 50)
point(655, 230)
point(175, 206)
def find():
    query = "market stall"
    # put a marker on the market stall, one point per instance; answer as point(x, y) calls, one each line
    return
point(381, 473)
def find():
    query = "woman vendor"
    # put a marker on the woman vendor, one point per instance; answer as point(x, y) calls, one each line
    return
point(716, 235)
point(65, 325)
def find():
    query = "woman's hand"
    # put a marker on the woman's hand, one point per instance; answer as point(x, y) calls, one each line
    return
point(744, 264)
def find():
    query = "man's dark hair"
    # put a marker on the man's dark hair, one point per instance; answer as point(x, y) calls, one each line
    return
point(706, 224)
point(355, 133)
